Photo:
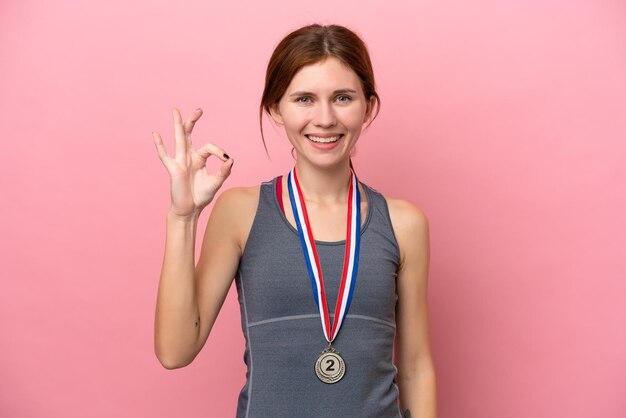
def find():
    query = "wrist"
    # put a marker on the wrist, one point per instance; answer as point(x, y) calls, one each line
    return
point(187, 218)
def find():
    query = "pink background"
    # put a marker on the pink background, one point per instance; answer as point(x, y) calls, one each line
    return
point(505, 121)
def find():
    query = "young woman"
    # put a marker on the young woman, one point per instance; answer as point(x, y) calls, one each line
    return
point(329, 273)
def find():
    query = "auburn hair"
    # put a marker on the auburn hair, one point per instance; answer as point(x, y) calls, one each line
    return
point(310, 45)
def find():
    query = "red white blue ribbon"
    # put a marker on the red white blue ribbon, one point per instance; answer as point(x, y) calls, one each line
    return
point(351, 257)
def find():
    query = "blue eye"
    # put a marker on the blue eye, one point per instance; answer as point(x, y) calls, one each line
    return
point(301, 99)
point(343, 98)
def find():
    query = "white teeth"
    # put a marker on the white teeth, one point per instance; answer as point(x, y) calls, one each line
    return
point(323, 140)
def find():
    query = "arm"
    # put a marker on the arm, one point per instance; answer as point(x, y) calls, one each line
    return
point(416, 371)
point(189, 299)
point(178, 319)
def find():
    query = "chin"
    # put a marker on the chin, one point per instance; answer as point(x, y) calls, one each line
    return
point(326, 161)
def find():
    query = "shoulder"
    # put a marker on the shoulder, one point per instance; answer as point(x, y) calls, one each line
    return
point(410, 225)
point(234, 210)
point(236, 202)
point(406, 216)
point(239, 196)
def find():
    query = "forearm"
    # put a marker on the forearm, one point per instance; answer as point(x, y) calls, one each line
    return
point(418, 394)
point(177, 314)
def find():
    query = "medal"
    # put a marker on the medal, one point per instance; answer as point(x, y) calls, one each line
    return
point(330, 366)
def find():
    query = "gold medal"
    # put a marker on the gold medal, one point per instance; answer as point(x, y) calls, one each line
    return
point(330, 366)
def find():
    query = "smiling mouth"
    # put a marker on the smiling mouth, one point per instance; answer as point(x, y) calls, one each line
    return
point(320, 140)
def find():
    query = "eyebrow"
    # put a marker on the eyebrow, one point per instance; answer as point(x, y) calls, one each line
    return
point(308, 93)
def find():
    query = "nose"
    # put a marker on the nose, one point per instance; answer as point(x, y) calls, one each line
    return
point(324, 116)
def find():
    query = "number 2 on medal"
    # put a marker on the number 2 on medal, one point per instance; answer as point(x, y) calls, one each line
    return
point(330, 365)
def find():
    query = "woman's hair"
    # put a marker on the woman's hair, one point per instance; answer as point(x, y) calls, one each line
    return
point(310, 45)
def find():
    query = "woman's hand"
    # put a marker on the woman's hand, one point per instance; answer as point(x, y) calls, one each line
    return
point(192, 187)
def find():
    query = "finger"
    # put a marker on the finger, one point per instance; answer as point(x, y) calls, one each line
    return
point(165, 159)
point(191, 122)
point(226, 168)
point(209, 149)
point(223, 172)
point(158, 142)
point(179, 134)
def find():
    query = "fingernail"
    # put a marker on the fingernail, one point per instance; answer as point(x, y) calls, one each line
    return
point(198, 109)
point(226, 156)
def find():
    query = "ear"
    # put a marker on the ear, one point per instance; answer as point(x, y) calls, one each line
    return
point(275, 113)
point(369, 108)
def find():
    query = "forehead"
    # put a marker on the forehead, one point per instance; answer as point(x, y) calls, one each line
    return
point(330, 74)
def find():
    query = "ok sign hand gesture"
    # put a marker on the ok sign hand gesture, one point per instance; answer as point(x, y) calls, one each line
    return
point(192, 186)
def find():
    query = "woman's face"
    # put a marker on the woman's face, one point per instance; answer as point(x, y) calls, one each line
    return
point(323, 111)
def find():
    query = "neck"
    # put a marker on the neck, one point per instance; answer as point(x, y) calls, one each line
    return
point(327, 186)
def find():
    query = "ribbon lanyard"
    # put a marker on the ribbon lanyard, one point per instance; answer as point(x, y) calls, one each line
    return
point(351, 256)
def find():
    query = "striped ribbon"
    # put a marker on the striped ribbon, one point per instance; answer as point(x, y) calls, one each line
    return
point(351, 256)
